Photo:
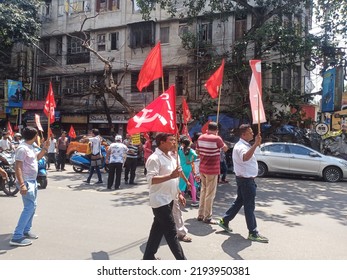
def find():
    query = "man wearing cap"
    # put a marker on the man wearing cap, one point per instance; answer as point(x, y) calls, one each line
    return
point(115, 158)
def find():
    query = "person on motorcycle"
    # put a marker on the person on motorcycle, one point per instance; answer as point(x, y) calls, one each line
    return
point(5, 142)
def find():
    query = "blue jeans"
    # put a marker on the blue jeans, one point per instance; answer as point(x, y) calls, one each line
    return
point(91, 172)
point(223, 170)
point(26, 218)
point(246, 192)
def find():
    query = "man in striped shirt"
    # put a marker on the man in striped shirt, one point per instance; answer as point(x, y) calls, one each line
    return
point(208, 146)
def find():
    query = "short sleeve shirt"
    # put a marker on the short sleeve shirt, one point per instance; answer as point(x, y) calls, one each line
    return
point(117, 152)
point(246, 169)
point(96, 145)
point(27, 155)
point(161, 194)
point(209, 146)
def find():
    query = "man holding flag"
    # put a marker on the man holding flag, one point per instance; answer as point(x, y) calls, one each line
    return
point(245, 163)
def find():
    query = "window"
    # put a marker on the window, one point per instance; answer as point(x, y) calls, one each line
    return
point(240, 27)
point(136, 8)
point(297, 77)
point(276, 148)
point(61, 8)
point(182, 30)
point(45, 46)
point(298, 150)
point(206, 32)
point(179, 85)
point(164, 34)
point(74, 85)
point(76, 53)
point(114, 41)
point(101, 42)
point(276, 76)
point(142, 34)
point(59, 46)
point(107, 5)
point(287, 79)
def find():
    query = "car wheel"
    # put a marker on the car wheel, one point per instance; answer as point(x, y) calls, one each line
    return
point(332, 174)
point(262, 169)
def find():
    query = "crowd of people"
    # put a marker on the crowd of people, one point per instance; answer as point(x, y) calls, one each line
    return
point(174, 168)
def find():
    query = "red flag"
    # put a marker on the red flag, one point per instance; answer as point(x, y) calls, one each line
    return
point(215, 81)
point(205, 127)
point(72, 132)
point(38, 122)
point(158, 116)
point(255, 93)
point(50, 104)
point(187, 116)
point(9, 129)
point(185, 131)
point(151, 69)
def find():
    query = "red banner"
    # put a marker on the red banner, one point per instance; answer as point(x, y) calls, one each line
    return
point(215, 81)
point(158, 116)
point(151, 69)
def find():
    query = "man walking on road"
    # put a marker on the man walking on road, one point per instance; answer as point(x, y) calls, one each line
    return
point(162, 177)
point(208, 146)
point(246, 169)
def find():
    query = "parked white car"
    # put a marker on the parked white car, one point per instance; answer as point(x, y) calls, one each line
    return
point(292, 158)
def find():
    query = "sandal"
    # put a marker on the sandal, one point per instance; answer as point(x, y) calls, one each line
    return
point(185, 238)
point(210, 221)
point(200, 218)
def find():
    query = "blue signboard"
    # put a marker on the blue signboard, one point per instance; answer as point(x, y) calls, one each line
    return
point(14, 94)
point(328, 91)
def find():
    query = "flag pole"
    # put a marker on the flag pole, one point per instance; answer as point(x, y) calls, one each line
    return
point(259, 132)
point(49, 125)
point(162, 83)
point(218, 108)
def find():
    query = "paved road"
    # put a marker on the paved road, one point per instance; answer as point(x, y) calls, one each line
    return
point(304, 220)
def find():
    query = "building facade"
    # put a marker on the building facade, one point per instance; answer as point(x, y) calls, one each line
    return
point(115, 30)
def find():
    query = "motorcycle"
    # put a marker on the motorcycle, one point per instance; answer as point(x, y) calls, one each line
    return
point(81, 161)
point(7, 162)
point(42, 173)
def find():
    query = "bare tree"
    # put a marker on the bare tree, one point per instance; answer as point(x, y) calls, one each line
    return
point(107, 85)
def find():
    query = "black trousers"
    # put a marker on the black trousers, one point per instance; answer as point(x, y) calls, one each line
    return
point(163, 225)
point(112, 169)
point(51, 158)
point(61, 159)
point(130, 166)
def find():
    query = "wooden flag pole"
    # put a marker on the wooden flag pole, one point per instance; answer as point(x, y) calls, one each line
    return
point(162, 83)
point(218, 108)
point(49, 125)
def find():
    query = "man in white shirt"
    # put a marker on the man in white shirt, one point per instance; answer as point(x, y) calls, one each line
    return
point(162, 177)
point(52, 150)
point(246, 169)
point(115, 159)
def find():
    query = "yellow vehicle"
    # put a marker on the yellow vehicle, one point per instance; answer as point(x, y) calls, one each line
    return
point(81, 147)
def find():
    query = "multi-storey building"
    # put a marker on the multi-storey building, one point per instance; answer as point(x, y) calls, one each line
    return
point(116, 31)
